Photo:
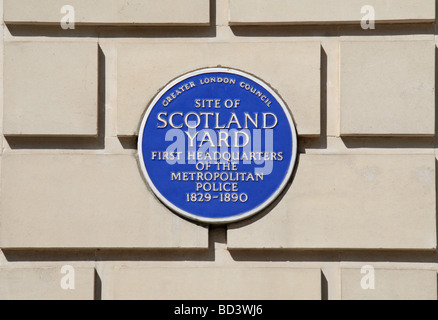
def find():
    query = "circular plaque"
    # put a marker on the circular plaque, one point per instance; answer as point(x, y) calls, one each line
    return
point(217, 145)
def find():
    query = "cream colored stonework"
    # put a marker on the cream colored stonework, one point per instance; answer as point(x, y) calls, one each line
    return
point(50, 88)
point(261, 12)
point(148, 12)
point(363, 192)
point(209, 283)
point(46, 283)
point(402, 284)
point(86, 201)
point(387, 87)
point(151, 66)
point(350, 201)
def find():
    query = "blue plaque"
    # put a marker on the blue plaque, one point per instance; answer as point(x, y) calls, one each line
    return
point(217, 145)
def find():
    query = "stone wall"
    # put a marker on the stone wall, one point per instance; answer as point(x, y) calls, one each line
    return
point(362, 202)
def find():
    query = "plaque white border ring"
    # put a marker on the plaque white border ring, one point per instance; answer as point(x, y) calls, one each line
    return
point(242, 216)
